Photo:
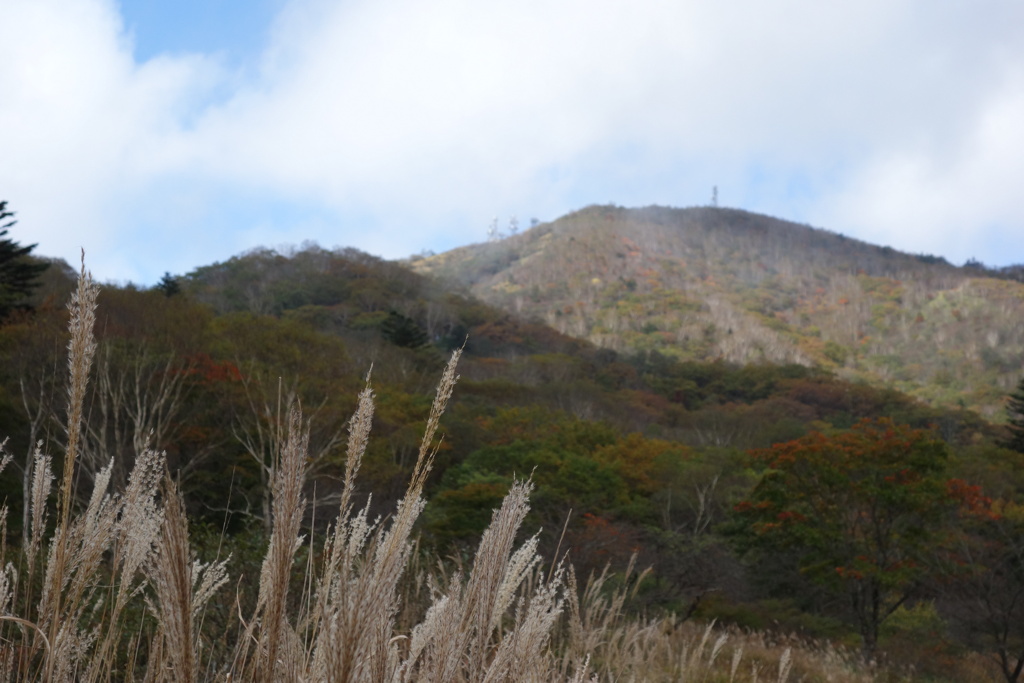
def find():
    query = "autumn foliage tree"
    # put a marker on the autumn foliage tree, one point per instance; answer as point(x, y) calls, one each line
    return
point(863, 510)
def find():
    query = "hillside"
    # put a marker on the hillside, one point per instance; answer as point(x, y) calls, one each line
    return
point(709, 283)
point(646, 456)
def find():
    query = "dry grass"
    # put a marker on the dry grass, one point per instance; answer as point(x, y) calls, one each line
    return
point(121, 595)
point(621, 647)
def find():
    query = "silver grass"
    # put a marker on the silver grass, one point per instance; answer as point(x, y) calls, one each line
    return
point(81, 349)
point(440, 621)
point(737, 655)
point(695, 655)
point(141, 518)
point(359, 436)
point(358, 601)
point(207, 579)
point(8, 585)
point(425, 459)
point(456, 640)
point(81, 548)
point(580, 676)
point(42, 482)
point(182, 587)
point(517, 657)
point(520, 565)
point(269, 628)
point(716, 649)
point(5, 460)
point(137, 527)
point(170, 574)
point(438, 634)
point(785, 664)
point(350, 532)
point(92, 534)
point(489, 569)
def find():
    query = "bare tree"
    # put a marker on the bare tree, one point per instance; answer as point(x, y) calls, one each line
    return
point(984, 593)
point(493, 232)
point(136, 403)
point(262, 425)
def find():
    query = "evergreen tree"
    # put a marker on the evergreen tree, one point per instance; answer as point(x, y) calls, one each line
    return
point(169, 285)
point(403, 331)
point(18, 273)
point(1015, 410)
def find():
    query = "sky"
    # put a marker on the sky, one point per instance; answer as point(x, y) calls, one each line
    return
point(161, 136)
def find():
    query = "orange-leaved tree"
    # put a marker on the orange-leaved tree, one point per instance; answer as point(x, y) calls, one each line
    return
point(864, 509)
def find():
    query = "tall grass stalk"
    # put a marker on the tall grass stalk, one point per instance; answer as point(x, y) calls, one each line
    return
point(182, 588)
point(81, 349)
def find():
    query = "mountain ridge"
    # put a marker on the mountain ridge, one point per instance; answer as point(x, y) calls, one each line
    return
point(710, 283)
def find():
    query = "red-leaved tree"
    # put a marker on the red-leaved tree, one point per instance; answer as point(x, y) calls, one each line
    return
point(864, 508)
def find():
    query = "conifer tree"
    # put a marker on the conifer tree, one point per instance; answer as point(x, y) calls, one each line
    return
point(168, 285)
point(1015, 411)
point(18, 273)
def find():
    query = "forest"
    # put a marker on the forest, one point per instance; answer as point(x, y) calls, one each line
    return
point(674, 516)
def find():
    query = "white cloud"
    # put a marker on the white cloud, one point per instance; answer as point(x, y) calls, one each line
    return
point(82, 127)
point(396, 125)
point(960, 198)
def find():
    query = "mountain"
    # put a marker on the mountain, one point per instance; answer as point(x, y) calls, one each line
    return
point(713, 283)
point(636, 460)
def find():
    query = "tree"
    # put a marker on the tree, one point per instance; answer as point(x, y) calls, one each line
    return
point(137, 402)
point(1015, 412)
point(983, 586)
point(17, 272)
point(168, 285)
point(403, 331)
point(863, 509)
